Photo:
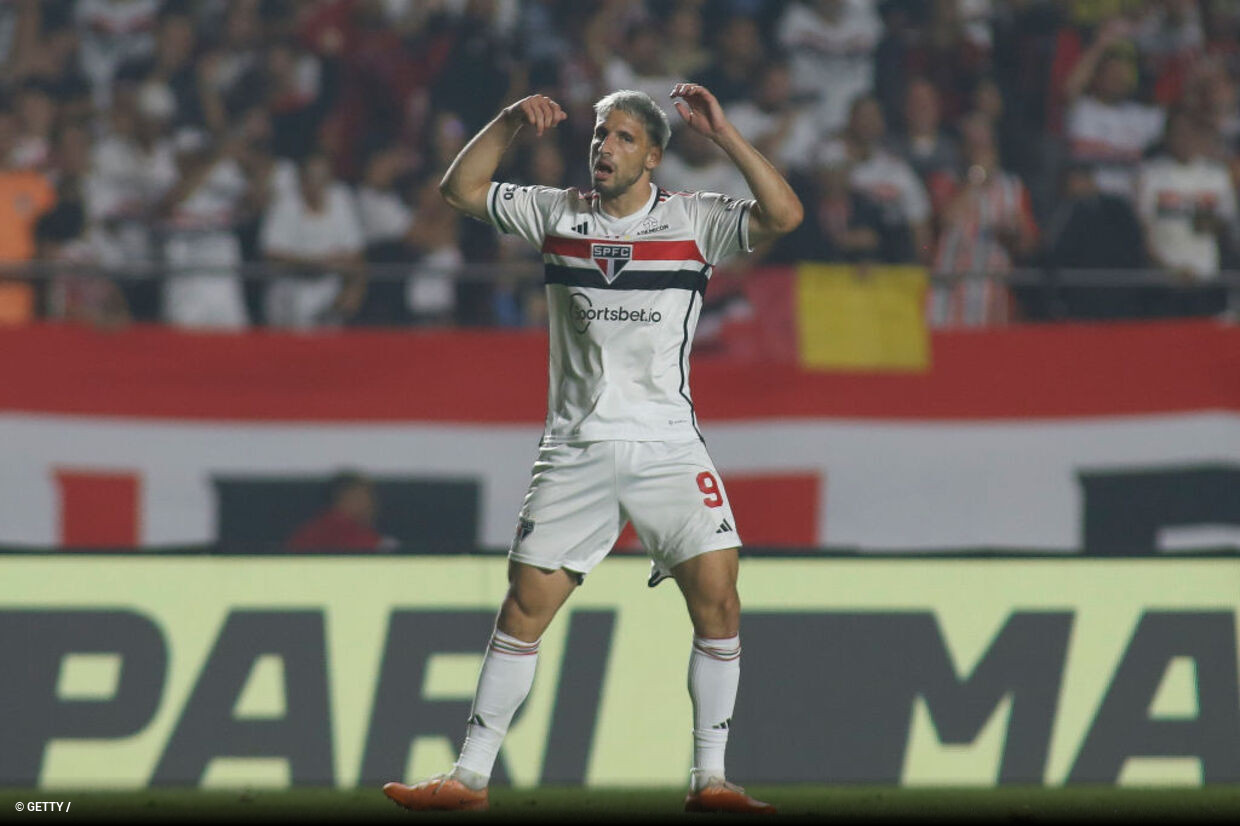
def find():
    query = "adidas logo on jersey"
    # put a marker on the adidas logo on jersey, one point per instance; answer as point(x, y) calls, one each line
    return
point(583, 228)
point(724, 527)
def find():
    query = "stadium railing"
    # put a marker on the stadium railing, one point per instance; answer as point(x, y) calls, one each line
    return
point(1041, 293)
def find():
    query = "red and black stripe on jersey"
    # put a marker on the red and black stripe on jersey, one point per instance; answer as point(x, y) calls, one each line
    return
point(694, 278)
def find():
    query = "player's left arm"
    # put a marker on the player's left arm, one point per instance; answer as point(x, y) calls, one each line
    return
point(777, 210)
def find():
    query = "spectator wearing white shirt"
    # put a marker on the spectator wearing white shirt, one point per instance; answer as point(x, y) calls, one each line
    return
point(73, 176)
point(201, 248)
point(111, 32)
point(132, 167)
point(431, 291)
point(314, 233)
point(386, 220)
point(1105, 126)
point(778, 123)
point(1187, 203)
point(886, 179)
point(693, 163)
point(831, 44)
point(385, 216)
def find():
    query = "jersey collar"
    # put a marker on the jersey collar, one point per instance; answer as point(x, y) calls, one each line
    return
point(620, 226)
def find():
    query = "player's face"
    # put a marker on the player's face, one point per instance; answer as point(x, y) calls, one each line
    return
point(620, 153)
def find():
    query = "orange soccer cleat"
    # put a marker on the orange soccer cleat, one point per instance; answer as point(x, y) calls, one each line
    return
point(441, 793)
point(718, 795)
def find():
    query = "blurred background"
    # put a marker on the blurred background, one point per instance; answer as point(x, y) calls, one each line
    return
point(1075, 159)
point(976, 416)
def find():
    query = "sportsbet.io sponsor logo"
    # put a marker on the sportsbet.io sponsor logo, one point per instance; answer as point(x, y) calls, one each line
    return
point(583, 312)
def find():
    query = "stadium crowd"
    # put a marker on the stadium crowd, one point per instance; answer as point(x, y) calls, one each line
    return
point(213, 138)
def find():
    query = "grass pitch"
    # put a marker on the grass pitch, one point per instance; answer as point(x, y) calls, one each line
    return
point(1212, 804)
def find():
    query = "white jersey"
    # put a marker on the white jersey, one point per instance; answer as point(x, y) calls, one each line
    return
point(1169, 194)
point(623, 298)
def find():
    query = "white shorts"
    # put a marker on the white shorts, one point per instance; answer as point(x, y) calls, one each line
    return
point(581, 495)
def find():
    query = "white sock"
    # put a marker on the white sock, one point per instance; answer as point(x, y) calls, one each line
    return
point(505, 680)
point(714, 672)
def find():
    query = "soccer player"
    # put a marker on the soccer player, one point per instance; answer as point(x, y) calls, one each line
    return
point(626, 268)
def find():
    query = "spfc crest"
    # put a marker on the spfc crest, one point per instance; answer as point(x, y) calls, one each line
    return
point(525, 527)
point(611, 258)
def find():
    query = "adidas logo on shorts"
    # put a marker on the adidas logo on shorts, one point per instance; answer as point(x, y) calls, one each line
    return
point(724, 527)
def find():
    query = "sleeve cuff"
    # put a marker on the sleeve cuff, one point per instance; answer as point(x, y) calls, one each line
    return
point(742, 228)
point(493, 206)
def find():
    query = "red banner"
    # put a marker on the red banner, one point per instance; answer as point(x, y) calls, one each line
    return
point(492, 376)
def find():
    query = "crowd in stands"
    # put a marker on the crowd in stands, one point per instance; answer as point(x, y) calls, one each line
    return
point(973, 137)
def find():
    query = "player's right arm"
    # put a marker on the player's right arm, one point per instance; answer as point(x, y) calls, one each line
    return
point(468, 180)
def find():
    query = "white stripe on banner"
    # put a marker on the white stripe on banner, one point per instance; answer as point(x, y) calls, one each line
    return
point(1191, 538)
point(883, 485)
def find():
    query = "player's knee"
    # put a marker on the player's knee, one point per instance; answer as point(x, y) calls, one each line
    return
point(519, 621)
point(724, 598)
point(717, 614)
point(730, 607)
point(521, 605)
point(527, 609)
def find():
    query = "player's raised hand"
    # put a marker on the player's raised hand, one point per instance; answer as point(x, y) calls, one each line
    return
point(538, 111)
point(699, 108)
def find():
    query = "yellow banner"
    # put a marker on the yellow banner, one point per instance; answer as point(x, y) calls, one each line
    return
point(218, 672)
point(862, 318)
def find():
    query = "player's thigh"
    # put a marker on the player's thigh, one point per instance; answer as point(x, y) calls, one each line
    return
point(676, 500)
point(709, 576)
point(570, 517)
